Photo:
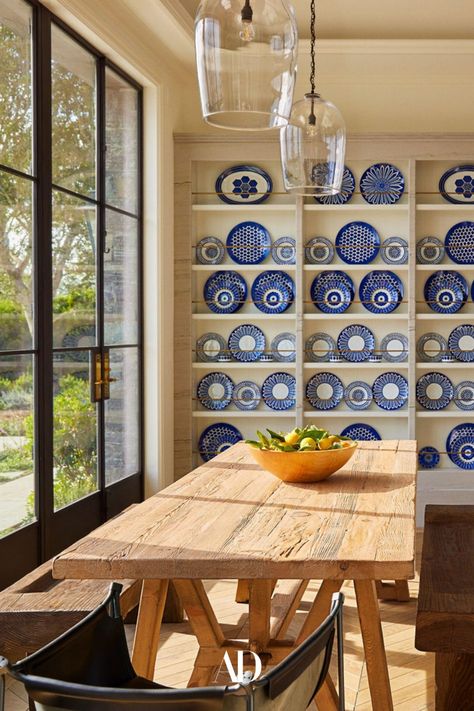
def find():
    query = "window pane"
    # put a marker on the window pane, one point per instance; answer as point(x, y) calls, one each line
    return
point(73, 115)
point(74, 272)
point(15, 85)
point(121, 126)
point(16, 288)
point(17, 503)
point(121, 279)
point(122, 416)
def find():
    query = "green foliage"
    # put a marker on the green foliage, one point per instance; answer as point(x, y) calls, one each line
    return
point(16, 459)
point(16, 394)
point(76, 299)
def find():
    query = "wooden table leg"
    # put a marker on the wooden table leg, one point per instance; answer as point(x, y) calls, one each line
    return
point(147, 631)
point(260, 608)
point(371, 628)
point(398, 590)
point(454, 682)
point(242, 594)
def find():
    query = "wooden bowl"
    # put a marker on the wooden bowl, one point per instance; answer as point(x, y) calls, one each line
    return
point(303, 467)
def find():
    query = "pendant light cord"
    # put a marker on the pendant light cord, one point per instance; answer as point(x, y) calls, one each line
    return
point(313, 43)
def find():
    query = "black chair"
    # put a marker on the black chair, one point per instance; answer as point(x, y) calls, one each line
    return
point(88, 668)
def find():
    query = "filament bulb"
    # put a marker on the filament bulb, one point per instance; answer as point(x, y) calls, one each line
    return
point(247, 33)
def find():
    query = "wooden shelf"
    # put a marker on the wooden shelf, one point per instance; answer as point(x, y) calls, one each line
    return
point(244, 366)
point(349, 207)
point(355, 267)
point(229, 414)
point(459, 316)
point(453, 365)
point(454, 414)
point(447, 207)
point(244, 208)
point(356, 415)
point(239, 316)
point(243, 267)
point(355, 317)
point(383, 364)
point(440, 267)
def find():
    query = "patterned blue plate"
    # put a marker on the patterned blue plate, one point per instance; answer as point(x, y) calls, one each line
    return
point(324, 391)
point(358, 395)
point(284, 250)
point(464, 395)
point(394, 250)
point(428, 457)
point(382, 184)
point(225, 292)
point(462, 452)
point(431, 347)
point(461, 343)
point(247, 395)
point(273, 292)
point(459, 242)
point(355, 343)
point(214, 391)
point(279, 391)
point(319, 347)
point(318, 250)
point(429, 250)
point(357, 243)
point(332, 292)
point(246, 343)
point(390, 391)
point(283, 348)
point(394, 348)
point(466, 429)
point(248, 243)
point(216, 438)
point(346, 192)
point(381, 292)
point(210, 250)
point(434, 391)
point(446, 291)
point(209, 346)
point(361, 432)
point(456, 185)
point(243, 184)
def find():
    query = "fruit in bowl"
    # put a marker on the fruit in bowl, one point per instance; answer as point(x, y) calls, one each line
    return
point(305, 454)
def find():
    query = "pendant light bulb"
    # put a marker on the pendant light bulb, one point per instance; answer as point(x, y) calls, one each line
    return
point(247, 33)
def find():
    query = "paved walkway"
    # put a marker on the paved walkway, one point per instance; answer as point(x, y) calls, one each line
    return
point(13, 495)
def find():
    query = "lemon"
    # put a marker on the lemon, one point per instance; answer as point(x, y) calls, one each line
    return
point(346, 443)
point(292, 437)
point(308, 443)
point(325, 443)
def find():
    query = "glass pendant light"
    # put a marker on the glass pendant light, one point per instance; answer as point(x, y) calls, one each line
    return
point(314, 141)
point(246, 53)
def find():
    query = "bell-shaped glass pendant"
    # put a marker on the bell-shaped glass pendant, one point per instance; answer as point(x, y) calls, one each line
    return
point(246, 53)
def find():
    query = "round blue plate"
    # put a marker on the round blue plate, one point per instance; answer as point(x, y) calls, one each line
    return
point(243, 185)
point(357, 243)
point(247, 395)
point(456, 185)
point(248, 243)
point(225, 292)
point(358, 395)
point(390, 391)
point(429, 250)
point(461, 343)
point(428, 457)
point(216, 438)
point(346, 192)
point(324, 391)
point(434, 391)
point(355, 343)
point(382, 184)
point(318, 250)
point(319, 347)
point(459, 242)
point(360, 431)
point(464, 395)
point(381, 292)
point(446, 291)
point(246, 343)
point(394, 348)
point(431, 347)
point(214, 391)
point(273, 292)
point(210, 250)
point(394, 250)
point(283, 348)
point(466, 429)
point(332, 292)
point(209, 346)
point(279, 391)
point(460, 445)
point(284, 250)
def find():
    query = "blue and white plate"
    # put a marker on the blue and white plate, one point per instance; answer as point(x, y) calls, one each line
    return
point(456, 185)
point(210, 250)
point(357, 243)
point(319, 347)
point(266, 358)
point(225, 292)
point(382, 184)
point(346, 192)
point(431, 347)
point(284, 250)
point(394, 348)
point(214, 391)
point(381, 292)
point(279, 391)
point(461, 343)
point(246, 395)
point(332, 292)
point(243, 185)
point(216, 438)
point(209, 347)
point(394, 250)
point(460, 445)
point(318, 250)
point(466, 429)
point(361, 432)
point(434, 391)
point(283, 348)
point(446, 291)
point(358, 395)
point(459, 242)
point(390, 391)
point(355, 343)
point(428, 457)
point(273, 292)
point(429, 250)
point(324, 391)
point(464, 395)
point(246, 343)
point(248, 243)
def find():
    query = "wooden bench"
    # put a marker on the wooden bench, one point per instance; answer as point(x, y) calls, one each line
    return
point(445, 617)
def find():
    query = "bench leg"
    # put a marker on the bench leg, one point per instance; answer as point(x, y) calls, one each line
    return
point(454, 682)
point(397, 590)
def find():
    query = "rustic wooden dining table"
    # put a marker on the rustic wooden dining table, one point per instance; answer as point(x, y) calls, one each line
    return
point(230, 519)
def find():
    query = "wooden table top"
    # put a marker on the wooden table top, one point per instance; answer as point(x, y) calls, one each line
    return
point(230, 519)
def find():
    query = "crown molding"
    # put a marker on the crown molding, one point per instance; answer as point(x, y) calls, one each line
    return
point(389, 46)
point(272, 136)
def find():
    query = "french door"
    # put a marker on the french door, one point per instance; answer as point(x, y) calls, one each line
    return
point(70, 294)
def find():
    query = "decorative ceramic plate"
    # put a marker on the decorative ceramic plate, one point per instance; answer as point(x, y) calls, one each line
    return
point(279, 391)
point(461, 343)
point(246, 395)
point(246, 343)
point(244, 184)
point(360, 431)
point(273, 292)
point(319, 347)
point(358, 395)
point(225, 292)
point(431, 347)
point(390, 391)
point(266, 358)
point(324, 391)
point(434, 391)
point(446, 291)
point(429, 250)
point(457, 184)
point(460, 445)
point(381, 292)
point(216, 438)
point(459, 242)
point(332, 292)
point(283, 348)
point(394, 348)
point(394, 250)
point(382, 184)
point(318, 250)
point(346, 192)
point(464, 395)
point(209, 346)
point(375, 358)
point(248, 243)
point(428, 457)
point(466, 429)
point(284, 250)
point(357, 243)
point(214, 391)
point(210, 250)
point(224, 358)
point(355, 343)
